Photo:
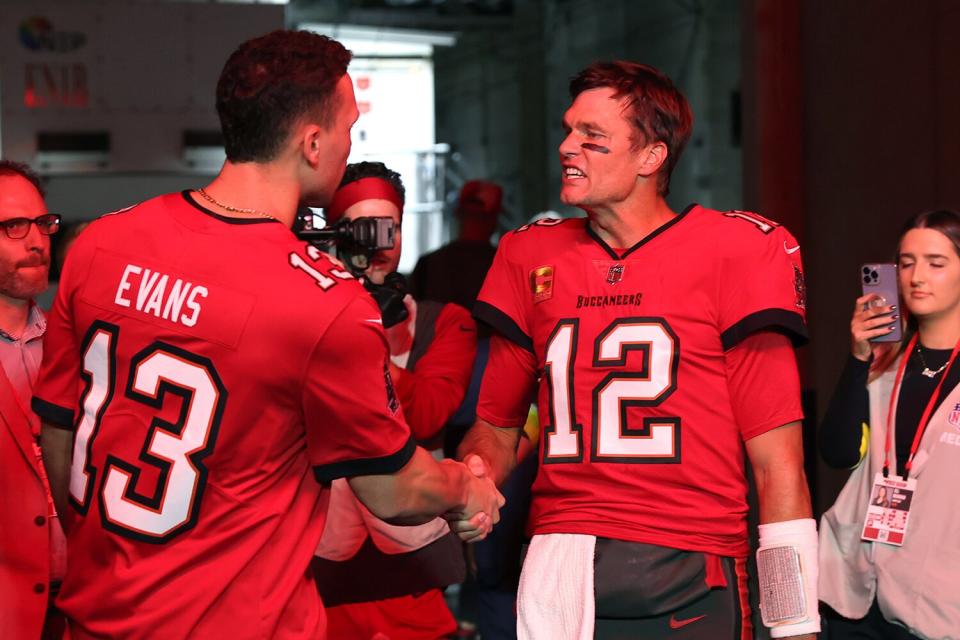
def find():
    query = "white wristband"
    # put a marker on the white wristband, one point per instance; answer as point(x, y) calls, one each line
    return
point(788, 554)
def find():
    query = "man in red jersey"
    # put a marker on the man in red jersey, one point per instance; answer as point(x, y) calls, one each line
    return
point(663, 345)
point(211, 375)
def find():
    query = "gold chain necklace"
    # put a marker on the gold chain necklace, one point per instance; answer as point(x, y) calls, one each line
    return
point(206, 196)
point(927, 371)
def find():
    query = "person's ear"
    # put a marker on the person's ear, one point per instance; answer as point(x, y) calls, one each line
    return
point(311, 142)
point(651, 158)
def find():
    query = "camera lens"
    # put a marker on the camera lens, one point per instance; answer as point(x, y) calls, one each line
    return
point(866, 279)
point(874, 275)
point(866, 270)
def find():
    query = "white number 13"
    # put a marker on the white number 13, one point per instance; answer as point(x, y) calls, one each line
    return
point(176, 450)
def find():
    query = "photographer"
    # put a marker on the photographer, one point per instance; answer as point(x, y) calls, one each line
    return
point(431, 372)
point(431, 357)
point(893, 417)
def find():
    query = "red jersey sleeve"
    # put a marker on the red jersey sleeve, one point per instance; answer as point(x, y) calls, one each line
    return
point(354, 423)
point(505, 300)
point(56, 395)
point(508, 385)
point(764, 383)
point(761, 283)
point(435, 388)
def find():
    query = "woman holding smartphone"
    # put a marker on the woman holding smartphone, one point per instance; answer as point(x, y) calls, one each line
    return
point(890, 570)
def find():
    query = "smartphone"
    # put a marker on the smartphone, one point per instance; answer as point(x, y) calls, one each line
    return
point(881, 279)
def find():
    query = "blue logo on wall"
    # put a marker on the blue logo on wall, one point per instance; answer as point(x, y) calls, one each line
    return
point(37, 34)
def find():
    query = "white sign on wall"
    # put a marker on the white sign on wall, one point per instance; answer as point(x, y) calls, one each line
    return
point(142, 73)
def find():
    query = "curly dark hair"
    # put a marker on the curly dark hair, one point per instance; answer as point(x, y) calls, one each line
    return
point(270, 82)
point(658, 111)
point(11, 168)
point(358, 170)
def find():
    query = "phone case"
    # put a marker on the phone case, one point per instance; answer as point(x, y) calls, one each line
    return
point(881, 279)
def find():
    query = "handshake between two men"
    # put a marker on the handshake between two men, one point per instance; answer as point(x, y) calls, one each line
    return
point(461, 492)
point(482, 511)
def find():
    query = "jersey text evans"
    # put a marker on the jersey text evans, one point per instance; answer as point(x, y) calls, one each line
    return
point(151, 294)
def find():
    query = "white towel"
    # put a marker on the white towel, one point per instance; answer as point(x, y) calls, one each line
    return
point(556, 600)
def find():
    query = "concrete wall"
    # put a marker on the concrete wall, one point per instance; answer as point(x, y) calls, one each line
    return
point(501, 95)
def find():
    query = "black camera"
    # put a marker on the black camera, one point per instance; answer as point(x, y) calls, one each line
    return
point(355, 242)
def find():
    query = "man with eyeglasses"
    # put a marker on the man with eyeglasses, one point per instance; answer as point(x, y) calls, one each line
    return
point(32, 547)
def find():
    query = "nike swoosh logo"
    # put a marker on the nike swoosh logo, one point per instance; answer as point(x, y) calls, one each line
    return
point(680, 624)
point(374, 320)
point(788, 249)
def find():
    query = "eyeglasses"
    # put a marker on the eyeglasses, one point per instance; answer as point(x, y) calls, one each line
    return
point(16, 228)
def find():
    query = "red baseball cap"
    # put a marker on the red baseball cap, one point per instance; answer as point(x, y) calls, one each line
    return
point(480, 197)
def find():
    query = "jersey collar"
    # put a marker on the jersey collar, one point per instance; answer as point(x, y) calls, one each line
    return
point(653, 234)
point(229, 220)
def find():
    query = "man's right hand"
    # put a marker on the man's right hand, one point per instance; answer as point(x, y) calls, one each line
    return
point(482, 510)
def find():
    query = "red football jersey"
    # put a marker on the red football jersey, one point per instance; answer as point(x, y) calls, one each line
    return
point(642, 435)
point(213, 370)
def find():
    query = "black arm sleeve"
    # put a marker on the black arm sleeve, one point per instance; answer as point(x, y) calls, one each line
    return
point(841, 431)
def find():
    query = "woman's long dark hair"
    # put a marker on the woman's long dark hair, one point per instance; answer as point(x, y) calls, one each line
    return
point(946, 222)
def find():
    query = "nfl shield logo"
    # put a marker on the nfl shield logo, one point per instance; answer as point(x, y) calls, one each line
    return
point(954, 417)
point(615, 274)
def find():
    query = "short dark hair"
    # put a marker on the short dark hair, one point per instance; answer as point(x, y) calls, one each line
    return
point(357, 170)
point(658, 111)
point(270, 82)
point(11, 168)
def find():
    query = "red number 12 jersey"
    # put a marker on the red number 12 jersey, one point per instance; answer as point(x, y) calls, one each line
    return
point(643, 435)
